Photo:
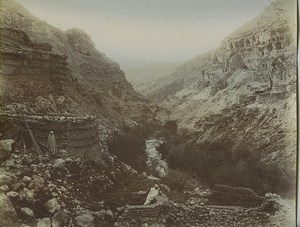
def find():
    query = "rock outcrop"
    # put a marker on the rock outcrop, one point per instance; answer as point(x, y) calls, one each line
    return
point(261, 50)
point(46, 70)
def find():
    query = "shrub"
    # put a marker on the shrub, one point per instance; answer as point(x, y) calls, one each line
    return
point(179, 181)
point(129, 146)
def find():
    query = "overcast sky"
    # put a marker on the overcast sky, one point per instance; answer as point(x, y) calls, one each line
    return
point(150, 30)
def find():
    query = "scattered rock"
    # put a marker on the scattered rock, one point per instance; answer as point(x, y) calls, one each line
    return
point(4, 188)
point(5, 149)
point(10, 162)
point(37, 182)
point(85, 220)
point(45, 222)
point(52, 205)
point(17, 186)
point(12, 194)
point(7, 211)
point(60, 219)
point(153, 178)
point(28, 195)
point(63, 153)
point(27, 211)
point(75, 201)
point(58, 163)
point(110, 214)
point(26, 179)
point(47, 174)
point(5, 178)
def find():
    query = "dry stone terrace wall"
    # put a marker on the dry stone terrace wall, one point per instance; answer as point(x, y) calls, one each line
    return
point(172, 214)
point(78, 135)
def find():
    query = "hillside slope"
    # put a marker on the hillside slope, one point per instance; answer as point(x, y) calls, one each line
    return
point(243, 92)
point(92, 83)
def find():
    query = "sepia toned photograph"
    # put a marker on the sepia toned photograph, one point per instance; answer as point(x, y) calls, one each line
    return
point(148, 113)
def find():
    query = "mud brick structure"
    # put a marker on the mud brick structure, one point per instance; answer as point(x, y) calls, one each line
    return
point(77, 135)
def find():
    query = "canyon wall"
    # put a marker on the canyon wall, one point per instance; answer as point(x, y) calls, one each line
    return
point(243, 92)
point(48, 70)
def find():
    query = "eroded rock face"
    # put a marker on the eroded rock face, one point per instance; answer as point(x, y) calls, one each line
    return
point(67, 73)
point(243, 90)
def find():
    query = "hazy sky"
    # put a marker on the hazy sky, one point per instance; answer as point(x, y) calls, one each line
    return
point(150, 30)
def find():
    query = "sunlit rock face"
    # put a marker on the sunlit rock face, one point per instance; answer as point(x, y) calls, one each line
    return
point(245, 90)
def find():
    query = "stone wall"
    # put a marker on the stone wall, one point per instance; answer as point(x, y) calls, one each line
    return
point(78, 135)
point(172, 214)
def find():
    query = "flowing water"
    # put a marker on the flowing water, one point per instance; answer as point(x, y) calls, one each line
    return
point(154, 157)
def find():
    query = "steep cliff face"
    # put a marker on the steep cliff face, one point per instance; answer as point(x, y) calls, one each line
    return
point(244, 91)
point(50, 70)
point(262, 50)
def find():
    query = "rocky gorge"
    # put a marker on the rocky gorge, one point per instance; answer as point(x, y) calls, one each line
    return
point(244, 91)
point(235, 106)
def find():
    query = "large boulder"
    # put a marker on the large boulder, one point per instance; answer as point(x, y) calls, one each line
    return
point(52, 205)
point(85, 219)
point(5, 149)
point(222, 188)
point(244, 191)
point(241, 191)
point(7, 211)
point(45, 222)
point(27, 211)
point(60, 219)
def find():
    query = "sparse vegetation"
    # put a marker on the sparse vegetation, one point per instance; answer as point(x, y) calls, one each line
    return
point(223, 162)
point(179, 181)
point(129, 146)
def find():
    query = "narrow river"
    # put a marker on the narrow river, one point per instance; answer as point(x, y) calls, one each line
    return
point(154, 160)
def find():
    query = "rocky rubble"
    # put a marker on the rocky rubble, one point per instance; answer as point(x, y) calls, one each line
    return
point(42, 190)
point(63, 191)
point(174, 214)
